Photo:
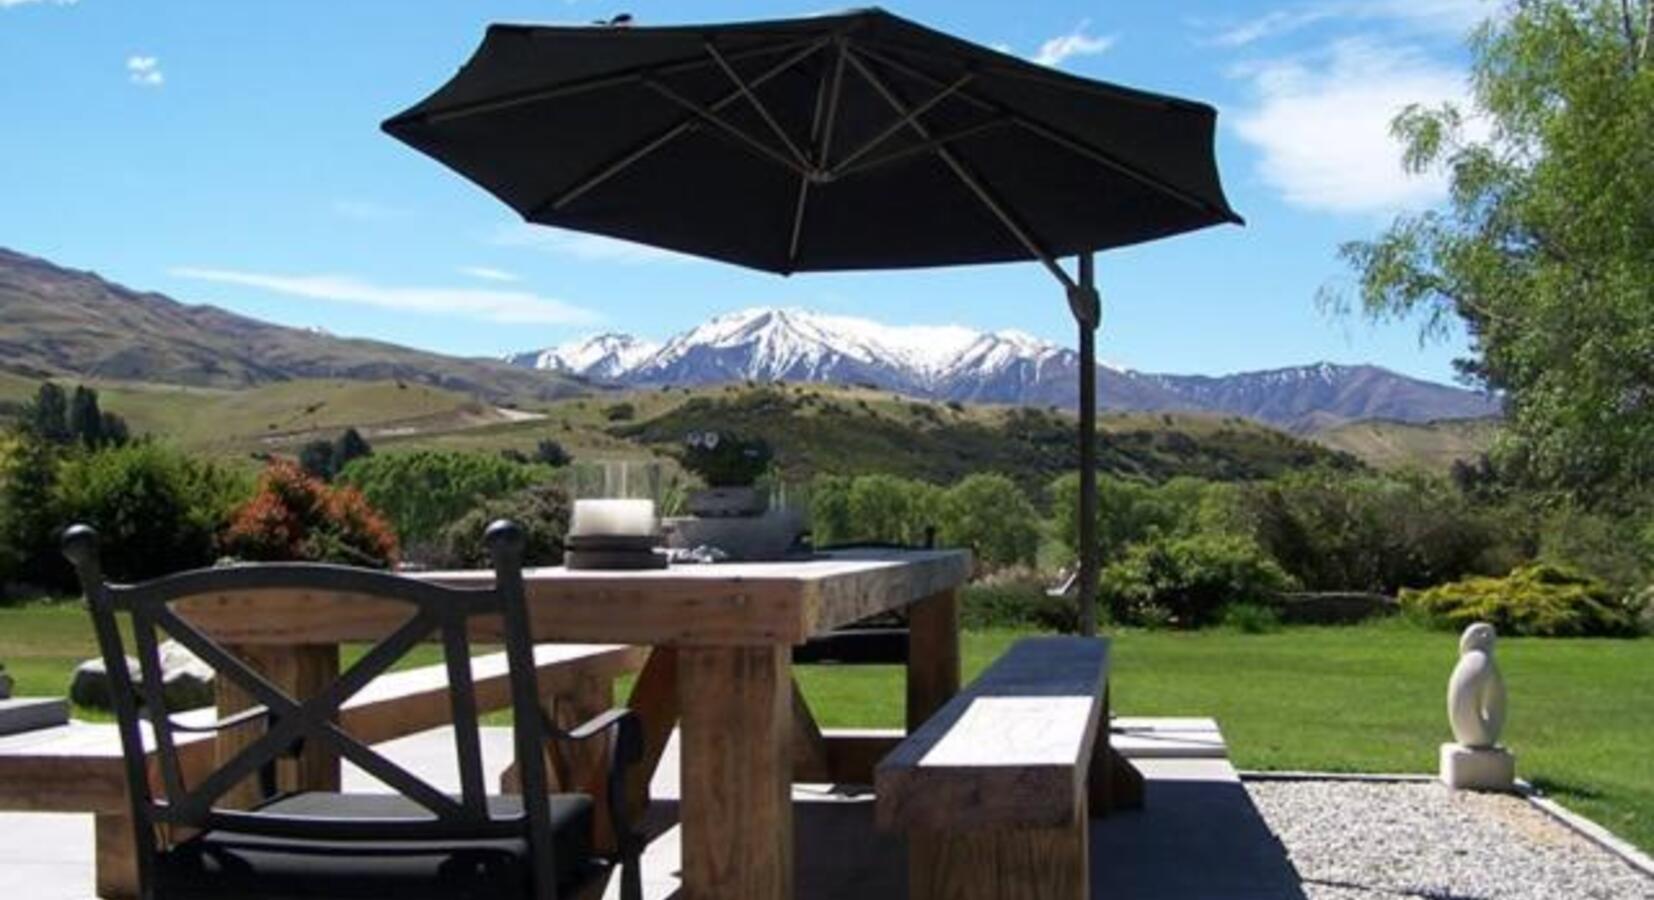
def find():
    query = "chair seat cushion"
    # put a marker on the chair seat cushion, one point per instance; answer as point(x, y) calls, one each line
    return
point(224, 864)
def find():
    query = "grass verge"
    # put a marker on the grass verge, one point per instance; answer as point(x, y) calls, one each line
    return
point(1368, 698)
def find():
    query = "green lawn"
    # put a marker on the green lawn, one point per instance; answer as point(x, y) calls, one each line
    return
point(1367, 698)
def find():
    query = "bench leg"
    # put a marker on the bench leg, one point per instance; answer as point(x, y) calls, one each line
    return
point(1113, 782)
point(117, 860)
point(1022, 864)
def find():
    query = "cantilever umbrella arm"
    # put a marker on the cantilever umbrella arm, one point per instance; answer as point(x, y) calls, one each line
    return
point(1083, 301)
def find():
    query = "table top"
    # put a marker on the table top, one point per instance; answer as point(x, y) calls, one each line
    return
point(783, 602)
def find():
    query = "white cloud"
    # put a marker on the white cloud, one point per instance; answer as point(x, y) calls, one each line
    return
point(1451, 17)
point(1276, 22)
point(367, 210)
point(488, 274)
point(504, 306)
point(1061, 48)
point(1322, 125)
point(8, 4)
point(145, 71)
point(580, 245)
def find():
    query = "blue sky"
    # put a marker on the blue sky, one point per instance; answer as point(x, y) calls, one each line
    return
point(229, 153)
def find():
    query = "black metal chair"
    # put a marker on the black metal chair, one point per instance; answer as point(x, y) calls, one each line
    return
point(417, 843)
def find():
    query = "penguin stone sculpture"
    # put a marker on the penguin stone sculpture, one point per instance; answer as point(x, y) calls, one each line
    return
point(1476, 692)
point(1476, 711)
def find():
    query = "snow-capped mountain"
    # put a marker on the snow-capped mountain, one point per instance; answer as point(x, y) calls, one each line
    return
point(606, 357)
point(956, 363)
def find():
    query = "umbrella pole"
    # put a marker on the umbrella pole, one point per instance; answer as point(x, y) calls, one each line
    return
point(1087, 308)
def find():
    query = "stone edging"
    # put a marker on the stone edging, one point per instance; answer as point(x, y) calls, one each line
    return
point(1588, 829)
point(1573, 821)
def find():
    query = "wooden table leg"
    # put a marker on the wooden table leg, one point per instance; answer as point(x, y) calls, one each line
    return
point(117, 858)
point(736, 815)
point(932, 656)
point(301, 670)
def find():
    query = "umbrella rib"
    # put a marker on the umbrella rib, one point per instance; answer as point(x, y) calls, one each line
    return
point(964, 173)
point(660, 140)
point(822, 132)
point(1069, 142)
point(902, 122)
point(926, 147)
point(758, 105)
point(724, 125)
point(550, 92)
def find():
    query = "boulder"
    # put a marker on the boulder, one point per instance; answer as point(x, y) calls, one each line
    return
point(186, 681)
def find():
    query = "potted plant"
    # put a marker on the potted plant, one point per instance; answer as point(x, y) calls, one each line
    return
point(731, 466)
point(731, 515)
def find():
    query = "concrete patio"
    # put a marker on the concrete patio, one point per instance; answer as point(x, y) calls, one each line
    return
point(1200, 837)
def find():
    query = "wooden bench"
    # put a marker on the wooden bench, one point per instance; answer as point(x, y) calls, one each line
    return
point(77, 767)
point(995, 790)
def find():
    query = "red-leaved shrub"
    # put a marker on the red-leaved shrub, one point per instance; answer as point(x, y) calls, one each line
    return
point(294, 516)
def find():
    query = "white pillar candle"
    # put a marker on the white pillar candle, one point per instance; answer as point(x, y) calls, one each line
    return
point(613, 517)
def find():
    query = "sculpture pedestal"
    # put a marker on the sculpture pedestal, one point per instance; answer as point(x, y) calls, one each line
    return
point(1478, 768)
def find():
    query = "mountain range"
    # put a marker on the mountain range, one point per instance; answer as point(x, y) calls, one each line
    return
point(56, 321)
point(961, 364)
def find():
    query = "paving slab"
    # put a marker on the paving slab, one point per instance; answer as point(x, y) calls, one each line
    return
point(1199, 837)
point(1167, 738)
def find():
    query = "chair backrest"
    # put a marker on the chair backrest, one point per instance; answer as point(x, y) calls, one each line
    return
point(435, 613)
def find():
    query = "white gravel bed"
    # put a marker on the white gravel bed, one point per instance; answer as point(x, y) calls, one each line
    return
point(1361, 840)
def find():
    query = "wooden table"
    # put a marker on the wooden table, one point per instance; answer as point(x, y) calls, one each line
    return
point(721, 670)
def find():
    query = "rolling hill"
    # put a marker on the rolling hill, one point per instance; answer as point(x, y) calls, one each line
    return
point(56, 322)
point(1426, 445)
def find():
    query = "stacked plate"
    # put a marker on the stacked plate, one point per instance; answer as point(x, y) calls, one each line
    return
point(613, 551)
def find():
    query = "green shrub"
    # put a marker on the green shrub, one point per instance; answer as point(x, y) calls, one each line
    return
point(1191, 578)
point(425, 490)
point(1611, 547)
point(829, 502)
point(989, 514)
point(1016, 598)
point(325, 459)
point(620, 412)
point(888, 509)
point(1251, 618)
point(549, 452)
point(294, 516)
point(1129, 511)
point(541, 510)
point(1540, 599)
point(156, 509)
point(28, 518)
point(1336, 531)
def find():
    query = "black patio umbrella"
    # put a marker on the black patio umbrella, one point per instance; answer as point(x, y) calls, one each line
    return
point(852, 141)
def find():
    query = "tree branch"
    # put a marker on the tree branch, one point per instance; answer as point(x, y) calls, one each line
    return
point(1627, 26)
point(1648, 29)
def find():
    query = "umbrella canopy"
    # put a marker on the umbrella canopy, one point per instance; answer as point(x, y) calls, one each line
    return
point(853, 141)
